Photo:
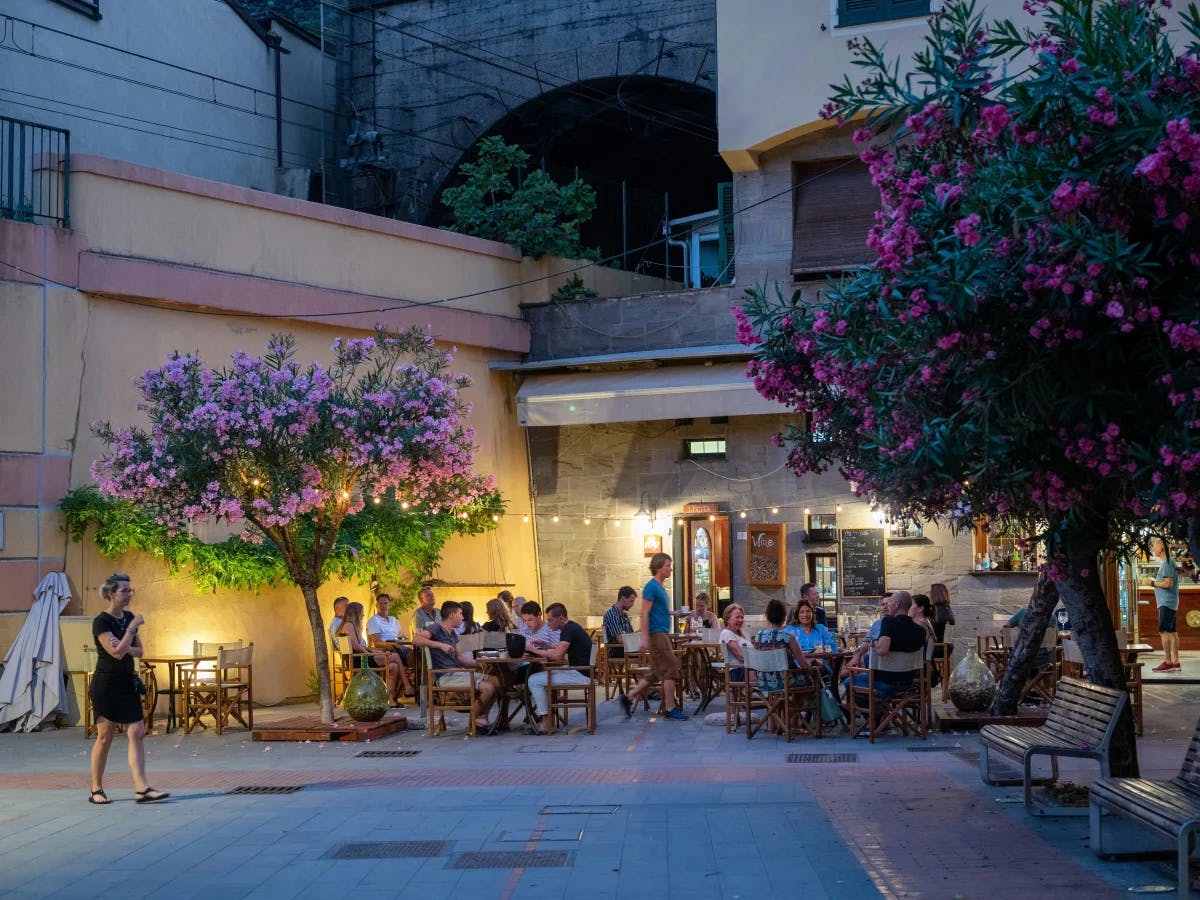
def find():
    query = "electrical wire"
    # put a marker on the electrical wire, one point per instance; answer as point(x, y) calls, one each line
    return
point(400, 303)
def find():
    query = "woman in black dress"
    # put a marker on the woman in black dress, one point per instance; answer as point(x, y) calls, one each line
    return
point(116, 699)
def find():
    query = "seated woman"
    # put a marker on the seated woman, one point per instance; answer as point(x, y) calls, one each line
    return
point(469, 625)
point(812, 637)
point(921, 612)
point(352, 629)
point(774, 637)
point(734, 642)
point(498, 615)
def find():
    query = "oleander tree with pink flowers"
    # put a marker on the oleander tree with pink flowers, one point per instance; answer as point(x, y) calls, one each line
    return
point(294, 452)
point(1026, 344)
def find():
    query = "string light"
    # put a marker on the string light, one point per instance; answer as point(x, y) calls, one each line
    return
point(554, 518)
point(587, 520)
point(345, 495)
point(525, 519)
point(679, 522)
point(742, 514)
point(617, 522)
point(839, 508)
point(404, 504)
point(774, 510)
point(255, 481)
point(495, 517)
point(807, 511)
point(378, 500)
point(712, 517)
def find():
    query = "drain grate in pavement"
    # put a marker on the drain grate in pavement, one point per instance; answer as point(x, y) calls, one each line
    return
point(547, 747)
point(602, 809)
point(929, 749)
point(266, 789)
point(512, 859)
point(386, 754)
point(388, 850)
point(822, 757)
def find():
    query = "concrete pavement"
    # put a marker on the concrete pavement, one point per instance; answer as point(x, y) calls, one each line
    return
point(644, 808)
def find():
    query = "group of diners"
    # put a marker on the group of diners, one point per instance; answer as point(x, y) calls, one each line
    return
point(549, 637)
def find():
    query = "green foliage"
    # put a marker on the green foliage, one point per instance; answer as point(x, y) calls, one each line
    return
point(534, 213)
point(382, 543)
point(572, 289)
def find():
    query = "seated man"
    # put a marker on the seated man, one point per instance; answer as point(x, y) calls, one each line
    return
point(900, 634)
point(384, 628)
point(537, 632)
point(442, 642)
point(859, 656)
point(616, 622)
point(575, 645)
point(699, 616)
point(427, 613)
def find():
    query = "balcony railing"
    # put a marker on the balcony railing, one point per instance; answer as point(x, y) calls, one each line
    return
point(35, 173)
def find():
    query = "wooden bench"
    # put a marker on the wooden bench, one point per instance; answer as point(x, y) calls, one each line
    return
point(1168, 807)
point(1080, 723)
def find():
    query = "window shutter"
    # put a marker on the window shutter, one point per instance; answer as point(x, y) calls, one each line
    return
point(860, 12)
point(725, 248)
point(835, 206)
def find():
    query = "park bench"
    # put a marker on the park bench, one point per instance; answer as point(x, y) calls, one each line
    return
point(1169, 807)
point(1080, 723)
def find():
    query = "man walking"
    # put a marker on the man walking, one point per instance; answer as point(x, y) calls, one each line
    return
point(656, 631)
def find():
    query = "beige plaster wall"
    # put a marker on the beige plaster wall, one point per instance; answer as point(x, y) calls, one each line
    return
point(777, 58)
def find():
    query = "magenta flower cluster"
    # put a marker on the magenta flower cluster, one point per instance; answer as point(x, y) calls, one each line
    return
point(1026, 341)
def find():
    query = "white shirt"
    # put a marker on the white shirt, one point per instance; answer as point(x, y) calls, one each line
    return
point(334, 624)
point(386, 627)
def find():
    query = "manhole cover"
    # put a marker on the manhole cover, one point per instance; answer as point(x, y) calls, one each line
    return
point(822, 757)
point(386, 754)
point(1152, 889)
point(266, 789)
point(512, 859)
point(388, 850)
point(584, 810)
point(554, 834)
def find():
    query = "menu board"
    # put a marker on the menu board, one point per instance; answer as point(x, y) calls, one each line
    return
point(863, 564)
point(766, 556)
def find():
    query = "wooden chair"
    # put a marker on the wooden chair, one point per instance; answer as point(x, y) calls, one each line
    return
point(223, 692)
point(1044, 679)
point(785, 705)
point(443, 699)
point(637, 660)
point(942, 651)
point(906, 709)
point(149, 699)
point(566, 697)
point(737, 697)
point(1072, 662)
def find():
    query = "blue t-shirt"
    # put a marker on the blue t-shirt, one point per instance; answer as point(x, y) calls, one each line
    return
point(820, 638)
point(660, 612)
point(1167, 598)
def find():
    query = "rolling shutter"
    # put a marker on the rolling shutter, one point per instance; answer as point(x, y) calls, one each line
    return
point(835, 206)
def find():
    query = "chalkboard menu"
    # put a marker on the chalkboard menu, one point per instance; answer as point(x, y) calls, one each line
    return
point(863, 564)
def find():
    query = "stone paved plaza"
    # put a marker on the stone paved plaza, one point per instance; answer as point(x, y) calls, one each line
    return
point(641, 809)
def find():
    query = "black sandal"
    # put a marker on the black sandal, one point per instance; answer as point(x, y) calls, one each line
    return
point(144, 796)
point(99, 793)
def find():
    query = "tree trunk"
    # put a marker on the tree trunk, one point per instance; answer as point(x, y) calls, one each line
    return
point(321, 652)
point(1041, 605)
point(1092, 627)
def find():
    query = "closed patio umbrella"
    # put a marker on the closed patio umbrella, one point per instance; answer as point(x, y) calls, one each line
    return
point(31, 685)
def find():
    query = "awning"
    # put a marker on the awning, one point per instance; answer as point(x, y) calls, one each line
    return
point(641, 395)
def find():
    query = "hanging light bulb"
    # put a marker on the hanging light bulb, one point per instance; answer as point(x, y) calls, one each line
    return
point(345, 495)
point(525, 519)
point(839, 508)
point(807, 510)
point(587, 520)
point(712, 517)
point(617, 522)
point(554, 518)
point(742, 514)
point(255, 481)
point(774, 510)
point(495, 517)
point(404, 504)
point(679, 522)
point(377, 500)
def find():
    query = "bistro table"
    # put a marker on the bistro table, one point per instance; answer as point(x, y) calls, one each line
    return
point(173, 662)
point(505, 669)
point(698, 674)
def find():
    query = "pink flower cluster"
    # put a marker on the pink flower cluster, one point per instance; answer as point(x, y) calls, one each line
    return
point(277, 444)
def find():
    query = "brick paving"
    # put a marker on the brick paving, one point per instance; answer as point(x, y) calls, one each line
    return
point(641, 809)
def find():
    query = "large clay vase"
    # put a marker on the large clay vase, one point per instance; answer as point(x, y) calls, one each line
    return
point(366, 697)
point(972, 687)
point(515, 644)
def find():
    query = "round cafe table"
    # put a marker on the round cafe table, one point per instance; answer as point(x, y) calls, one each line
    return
point(514, 696)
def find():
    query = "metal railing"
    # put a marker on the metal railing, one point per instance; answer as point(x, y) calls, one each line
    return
point(35, 173)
